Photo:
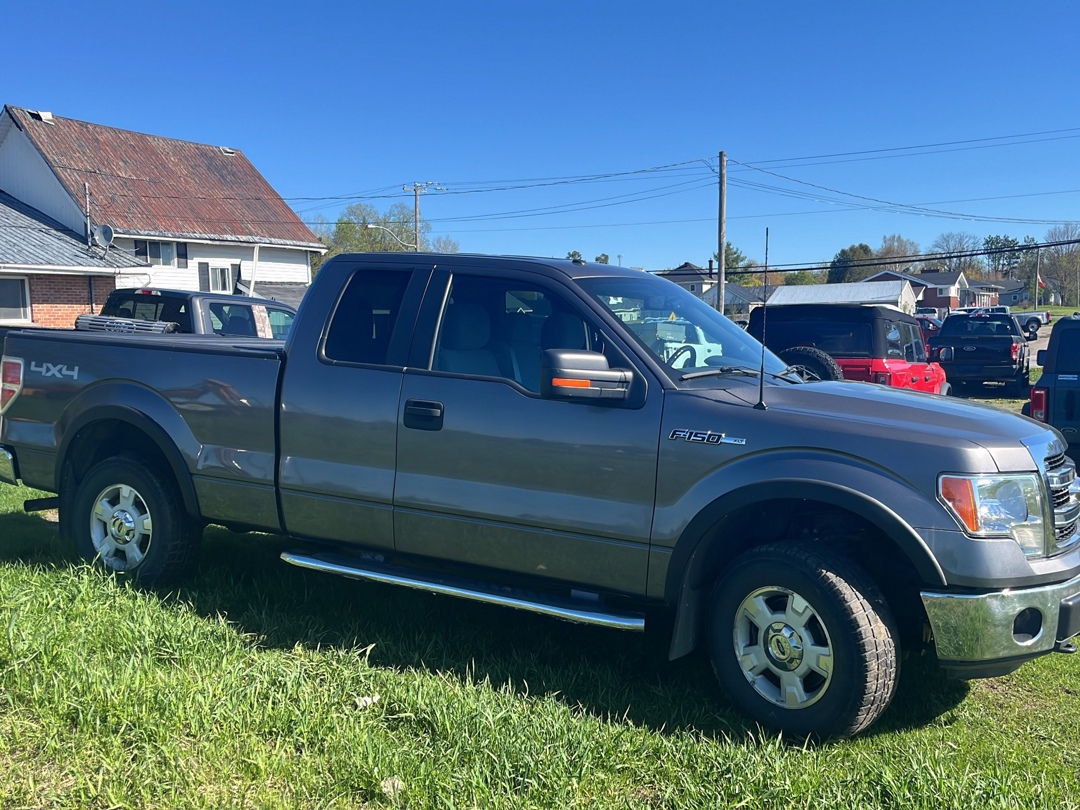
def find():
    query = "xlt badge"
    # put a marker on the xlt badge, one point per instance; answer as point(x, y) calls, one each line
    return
point(704, 437)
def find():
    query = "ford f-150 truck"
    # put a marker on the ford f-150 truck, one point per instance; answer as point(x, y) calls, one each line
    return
point(981, 346)
point(532, 433)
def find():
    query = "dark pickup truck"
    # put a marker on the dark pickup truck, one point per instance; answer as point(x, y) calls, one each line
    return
point(1055, 397)
point(585, 441)
point(980, 347)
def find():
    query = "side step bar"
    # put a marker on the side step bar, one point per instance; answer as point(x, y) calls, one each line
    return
point(546, 604)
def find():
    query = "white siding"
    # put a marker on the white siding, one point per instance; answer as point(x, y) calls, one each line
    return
point(275, 264)
point(26, 176)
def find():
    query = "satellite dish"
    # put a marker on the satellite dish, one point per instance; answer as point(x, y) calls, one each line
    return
point(103, 235)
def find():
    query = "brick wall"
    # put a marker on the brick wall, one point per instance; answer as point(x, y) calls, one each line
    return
point(57, 300)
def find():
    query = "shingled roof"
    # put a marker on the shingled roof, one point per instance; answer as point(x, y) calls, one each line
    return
point(146, 185)
point(29, 239)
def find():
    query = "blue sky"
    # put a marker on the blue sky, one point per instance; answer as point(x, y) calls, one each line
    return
point(512, 107)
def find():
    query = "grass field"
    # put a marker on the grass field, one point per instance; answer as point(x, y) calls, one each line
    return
point(261, 685)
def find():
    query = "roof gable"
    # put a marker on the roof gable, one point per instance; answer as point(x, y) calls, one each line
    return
point(146, 185)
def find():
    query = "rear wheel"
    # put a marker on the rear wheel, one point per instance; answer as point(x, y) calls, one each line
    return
point(803, 641)
point(811, 363)
point(129, 518)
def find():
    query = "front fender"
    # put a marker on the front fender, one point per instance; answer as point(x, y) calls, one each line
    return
point(894, 506)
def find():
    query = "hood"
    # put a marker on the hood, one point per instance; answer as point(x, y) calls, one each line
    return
point(887, 426)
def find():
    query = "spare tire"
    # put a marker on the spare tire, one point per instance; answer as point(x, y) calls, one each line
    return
point(811, 363)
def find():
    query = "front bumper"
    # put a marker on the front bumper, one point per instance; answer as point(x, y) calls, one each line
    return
point(8, 470)
point(992, 633)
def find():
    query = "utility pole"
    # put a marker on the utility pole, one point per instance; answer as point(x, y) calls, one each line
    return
point(721, 235)
point(418, 189)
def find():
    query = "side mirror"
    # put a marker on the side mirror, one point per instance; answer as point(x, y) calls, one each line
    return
point(945, 354)
point(575, 374)
point(1040, 357)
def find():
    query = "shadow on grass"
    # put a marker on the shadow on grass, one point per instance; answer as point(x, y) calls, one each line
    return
point(606, 673)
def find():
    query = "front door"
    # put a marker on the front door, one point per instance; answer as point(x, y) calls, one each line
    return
point(492, 474)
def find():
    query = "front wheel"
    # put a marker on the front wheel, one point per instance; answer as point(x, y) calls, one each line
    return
point(129, 518)
point(803, 641)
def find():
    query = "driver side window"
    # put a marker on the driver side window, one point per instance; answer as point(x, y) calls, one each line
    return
point(500, 328)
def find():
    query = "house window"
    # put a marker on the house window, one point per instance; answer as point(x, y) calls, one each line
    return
point(220, 281)
point(693, 288)
point(14, 300)
point(162, 254)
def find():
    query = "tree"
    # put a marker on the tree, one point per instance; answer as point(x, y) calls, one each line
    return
point(804, 277)
point(1002, 255)
point(574, 255)
point(1061, 263)
point(955, 251)
point(853, 263)
point(898, 253)
point(603, 258)
point(392, 231)
point(733, 257)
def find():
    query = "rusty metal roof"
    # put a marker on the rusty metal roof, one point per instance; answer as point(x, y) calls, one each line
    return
point(146, 185)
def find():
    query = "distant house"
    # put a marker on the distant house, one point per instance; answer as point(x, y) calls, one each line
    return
point(738, 300)
point(1014, 293)
point(690, 277)
point(897, 293)
point(935, 288)
point(186, 215)
point(49, 275)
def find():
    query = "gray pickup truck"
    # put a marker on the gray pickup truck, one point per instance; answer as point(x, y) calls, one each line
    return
point(585, 441)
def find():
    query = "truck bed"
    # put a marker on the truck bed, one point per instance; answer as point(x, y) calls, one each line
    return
point(224, 424)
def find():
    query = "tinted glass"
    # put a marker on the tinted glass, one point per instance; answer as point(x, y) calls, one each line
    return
point(836, 338)
point(365, 317)
point(1068, 353)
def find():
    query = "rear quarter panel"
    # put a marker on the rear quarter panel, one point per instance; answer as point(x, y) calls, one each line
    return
point(214, 399)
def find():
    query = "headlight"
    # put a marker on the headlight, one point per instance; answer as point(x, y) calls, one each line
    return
point(998, 506)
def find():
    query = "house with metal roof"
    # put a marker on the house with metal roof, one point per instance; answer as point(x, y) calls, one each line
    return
point(897, 293)
point(943, 290)
point(186, 215)
point(49, 274)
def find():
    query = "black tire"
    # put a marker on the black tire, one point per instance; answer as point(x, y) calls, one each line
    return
point(776, 604)
point(1032, 326)
point(811, 363)
point(129, 518)
point(946, 390)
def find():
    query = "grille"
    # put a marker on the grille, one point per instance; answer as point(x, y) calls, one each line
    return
point(1064, 489)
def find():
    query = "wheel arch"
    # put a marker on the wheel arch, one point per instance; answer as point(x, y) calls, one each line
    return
point(719, 533)
point(106, 431)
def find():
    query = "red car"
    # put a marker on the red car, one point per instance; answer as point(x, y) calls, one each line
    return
point(875, 344)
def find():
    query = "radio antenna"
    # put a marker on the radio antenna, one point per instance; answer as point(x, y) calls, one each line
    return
point(761, 406)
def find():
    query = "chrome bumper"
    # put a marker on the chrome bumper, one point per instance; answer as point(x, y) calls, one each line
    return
point(7, 466)
point(1004, 625)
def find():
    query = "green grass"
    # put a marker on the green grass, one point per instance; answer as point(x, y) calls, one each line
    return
point(262, 685)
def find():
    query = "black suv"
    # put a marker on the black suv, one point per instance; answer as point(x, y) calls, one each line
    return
point(1055, 398)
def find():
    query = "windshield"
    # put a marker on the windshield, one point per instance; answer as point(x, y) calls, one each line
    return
point(676, 327)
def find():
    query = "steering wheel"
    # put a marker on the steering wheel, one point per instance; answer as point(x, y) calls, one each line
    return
point(679, 352)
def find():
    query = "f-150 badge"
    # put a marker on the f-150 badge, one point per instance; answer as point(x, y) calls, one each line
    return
point(704, 437)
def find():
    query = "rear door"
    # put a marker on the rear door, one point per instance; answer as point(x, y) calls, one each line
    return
point(492, 474)
point(339, 410)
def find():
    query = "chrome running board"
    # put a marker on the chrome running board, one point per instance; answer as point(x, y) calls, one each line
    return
point(374, 570)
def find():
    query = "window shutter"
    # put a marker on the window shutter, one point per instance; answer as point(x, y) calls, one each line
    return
point(234, 276)
point(141, 251)
point(181, 255)
point(204, 276)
